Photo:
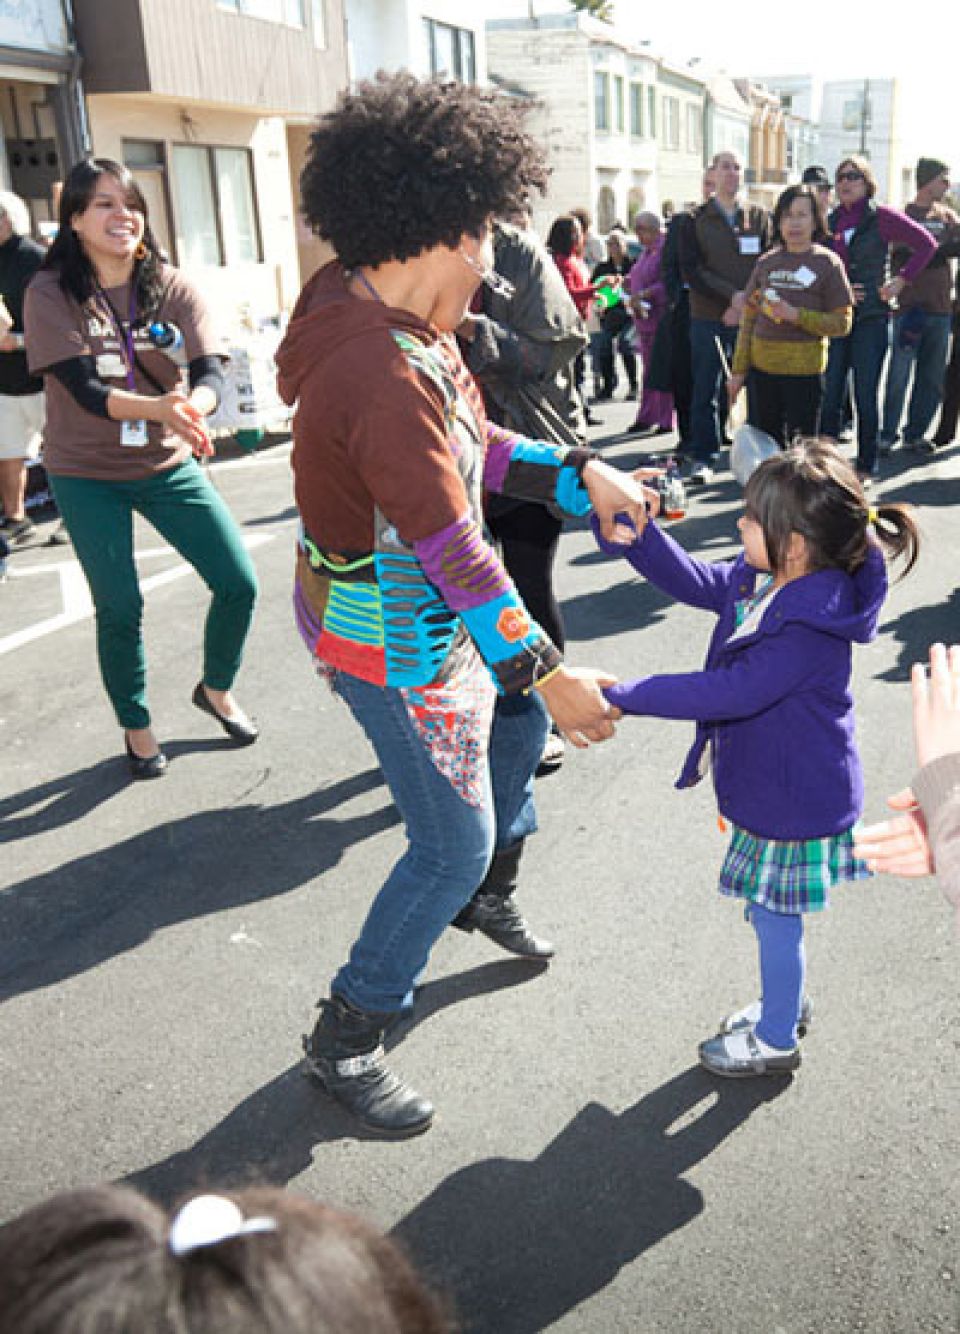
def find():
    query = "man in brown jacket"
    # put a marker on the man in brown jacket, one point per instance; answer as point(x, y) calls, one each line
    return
point(729, 237)
point(921, 329)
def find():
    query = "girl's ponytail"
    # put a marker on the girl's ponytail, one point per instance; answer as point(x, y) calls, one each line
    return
point(897, 532)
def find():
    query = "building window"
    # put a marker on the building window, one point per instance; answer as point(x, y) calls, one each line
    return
point(618, 100)
point(670, 128)
point(694, 129)
point(145, 161)
point(450, 51)
point(601, 100)
point(652, 112)
point(636, 110)
point(290, 12)
point(216, 214)
point(318, 15)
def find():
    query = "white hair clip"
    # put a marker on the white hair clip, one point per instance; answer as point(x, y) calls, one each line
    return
point(207, 1220)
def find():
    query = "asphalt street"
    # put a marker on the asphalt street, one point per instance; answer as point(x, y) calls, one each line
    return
point(162, 945)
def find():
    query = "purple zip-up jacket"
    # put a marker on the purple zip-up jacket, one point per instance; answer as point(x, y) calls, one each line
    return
point(775, 706)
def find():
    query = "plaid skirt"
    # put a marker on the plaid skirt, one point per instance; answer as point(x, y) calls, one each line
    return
point(791, 876)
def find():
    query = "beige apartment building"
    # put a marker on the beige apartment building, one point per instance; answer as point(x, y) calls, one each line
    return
point(210, 104)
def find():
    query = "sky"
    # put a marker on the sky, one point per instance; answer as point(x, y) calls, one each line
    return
point(846, 39)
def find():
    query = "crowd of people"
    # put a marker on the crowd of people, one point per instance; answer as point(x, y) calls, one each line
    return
point(438, 371)
point(808, 310)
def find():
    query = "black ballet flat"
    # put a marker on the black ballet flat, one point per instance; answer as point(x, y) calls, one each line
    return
point(154, 766)
point(244, 734)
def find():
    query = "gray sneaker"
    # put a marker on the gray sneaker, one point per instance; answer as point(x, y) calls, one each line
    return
point(738, 1056)
point(19, 530)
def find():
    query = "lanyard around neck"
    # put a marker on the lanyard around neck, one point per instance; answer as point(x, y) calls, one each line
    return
point(359, 273)
point(124, 331)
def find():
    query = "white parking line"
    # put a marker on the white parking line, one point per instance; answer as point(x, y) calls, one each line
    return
point(75, 595)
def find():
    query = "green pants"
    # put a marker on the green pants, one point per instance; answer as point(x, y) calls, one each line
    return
point(185, 510)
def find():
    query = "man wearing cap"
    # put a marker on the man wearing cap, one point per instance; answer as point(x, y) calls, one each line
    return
point(818, 178)
point(921, 329)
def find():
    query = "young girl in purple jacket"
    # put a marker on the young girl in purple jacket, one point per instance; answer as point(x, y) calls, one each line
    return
point(809, 584)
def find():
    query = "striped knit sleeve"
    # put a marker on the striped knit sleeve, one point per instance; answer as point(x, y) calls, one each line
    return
point(472, 581)
point(536, 470)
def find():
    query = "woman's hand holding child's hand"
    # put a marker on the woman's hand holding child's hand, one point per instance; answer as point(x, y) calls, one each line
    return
point(575, 702)
point(614, 493)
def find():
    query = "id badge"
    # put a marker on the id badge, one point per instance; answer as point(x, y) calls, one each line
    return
point(134, 434)
point(749, 245)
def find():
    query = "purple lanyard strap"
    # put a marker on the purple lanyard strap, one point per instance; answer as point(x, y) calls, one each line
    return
point(124, 331)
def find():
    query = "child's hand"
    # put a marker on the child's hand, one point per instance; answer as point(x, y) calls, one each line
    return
point(899, 846)
point(651, 497)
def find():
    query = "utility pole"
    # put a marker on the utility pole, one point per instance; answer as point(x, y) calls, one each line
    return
point(865, 118)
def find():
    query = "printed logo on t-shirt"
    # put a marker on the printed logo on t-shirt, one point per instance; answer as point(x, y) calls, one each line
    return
point(795, 279)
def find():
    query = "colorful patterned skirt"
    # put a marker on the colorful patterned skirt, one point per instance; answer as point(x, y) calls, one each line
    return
point(789, 876)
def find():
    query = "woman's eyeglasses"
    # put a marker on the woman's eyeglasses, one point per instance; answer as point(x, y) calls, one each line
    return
point(849, 176)
point(498, 285)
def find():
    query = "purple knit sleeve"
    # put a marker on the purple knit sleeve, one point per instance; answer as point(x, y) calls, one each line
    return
point(897, 229)
point(464, 568)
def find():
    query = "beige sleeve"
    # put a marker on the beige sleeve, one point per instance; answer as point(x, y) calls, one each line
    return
point(937, 789)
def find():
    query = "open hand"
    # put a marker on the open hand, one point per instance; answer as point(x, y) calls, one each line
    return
point(936, 704)
point(898, 846)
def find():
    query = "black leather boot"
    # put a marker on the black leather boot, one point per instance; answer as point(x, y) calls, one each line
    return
point(345, 1054)
point(493, 912)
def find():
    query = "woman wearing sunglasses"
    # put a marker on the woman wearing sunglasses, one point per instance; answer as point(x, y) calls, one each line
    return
point(862, 233)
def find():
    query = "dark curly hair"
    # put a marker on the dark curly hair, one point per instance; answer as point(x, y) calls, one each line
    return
point(403, 165)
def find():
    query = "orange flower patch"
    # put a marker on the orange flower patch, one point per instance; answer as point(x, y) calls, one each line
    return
point(513, 624)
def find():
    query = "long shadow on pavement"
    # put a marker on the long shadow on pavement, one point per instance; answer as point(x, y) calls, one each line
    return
point(629, 602)
point(271, 1136)
point(59, 924)
point(69, 797)
point(917, 629)
point(519, 1244)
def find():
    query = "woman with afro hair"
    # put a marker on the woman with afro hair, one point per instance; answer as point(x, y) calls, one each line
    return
point(402, 601)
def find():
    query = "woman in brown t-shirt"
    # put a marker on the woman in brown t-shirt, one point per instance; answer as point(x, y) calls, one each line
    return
point(797, 298)
point(108, 325)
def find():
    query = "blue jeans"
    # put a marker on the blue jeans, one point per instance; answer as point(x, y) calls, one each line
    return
point(707, 385)
point(861, 354)
point(450, 840)
point(927, 358)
